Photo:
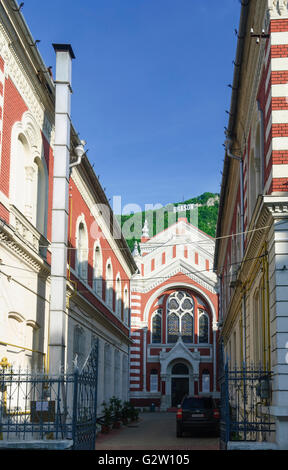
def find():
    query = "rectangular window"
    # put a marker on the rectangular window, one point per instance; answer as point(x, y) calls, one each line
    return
point(154, 383)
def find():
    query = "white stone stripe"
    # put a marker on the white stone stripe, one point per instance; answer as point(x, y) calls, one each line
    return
point(280, 171)
point(134, 296)
point(136, 341)
point(279, 64)
point(135, 310)
point(135, 369)
point(280, 143)
point(280, 116)
point(279, 90)
point(134, 385)
point(134, 379)
point(134, 363)
point(135, 333)
point(136, 356)
point(135, 304)
point(279, 38)
point(135, 348)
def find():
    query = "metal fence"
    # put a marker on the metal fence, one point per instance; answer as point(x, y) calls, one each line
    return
point(36, 406)
point(245, 405)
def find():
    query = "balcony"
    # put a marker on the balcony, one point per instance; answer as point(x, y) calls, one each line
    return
point(28, 233)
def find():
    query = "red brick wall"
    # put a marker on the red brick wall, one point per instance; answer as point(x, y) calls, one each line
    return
point(14, 108)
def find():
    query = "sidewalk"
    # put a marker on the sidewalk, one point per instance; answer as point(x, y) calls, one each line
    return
point(153, 431)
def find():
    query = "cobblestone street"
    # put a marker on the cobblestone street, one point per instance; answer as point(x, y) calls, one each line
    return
point(154, 431)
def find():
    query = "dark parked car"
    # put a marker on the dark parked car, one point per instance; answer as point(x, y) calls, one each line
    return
point(197, 413)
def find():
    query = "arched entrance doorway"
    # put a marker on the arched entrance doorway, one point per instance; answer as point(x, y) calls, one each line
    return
point(179, 383)
point(185, 366)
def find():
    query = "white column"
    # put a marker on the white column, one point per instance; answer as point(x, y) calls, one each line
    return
point(60, 207)
point(278, 269)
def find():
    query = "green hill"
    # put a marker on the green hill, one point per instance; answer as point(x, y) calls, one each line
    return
point(203, 214)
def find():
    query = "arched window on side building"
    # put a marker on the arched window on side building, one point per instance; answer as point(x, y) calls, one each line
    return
point(98, 270)
point(109, 284)
point(82, 251)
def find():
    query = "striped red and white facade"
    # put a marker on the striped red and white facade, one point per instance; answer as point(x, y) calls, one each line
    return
point(174, 317)
point(251, 252)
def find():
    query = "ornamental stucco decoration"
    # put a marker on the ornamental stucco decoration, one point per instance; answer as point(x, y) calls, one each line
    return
point(278, 8)
point(15, 71)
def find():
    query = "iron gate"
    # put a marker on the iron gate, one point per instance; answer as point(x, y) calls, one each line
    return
point(37, 406)
point(245, 405)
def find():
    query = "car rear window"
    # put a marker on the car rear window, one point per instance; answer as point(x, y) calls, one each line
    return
point(192, 402)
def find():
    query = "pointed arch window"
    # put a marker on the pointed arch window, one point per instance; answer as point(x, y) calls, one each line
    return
point(173, 328)
point(180, 318)
point(157, 327)
point(187, 328)
point(203, 327)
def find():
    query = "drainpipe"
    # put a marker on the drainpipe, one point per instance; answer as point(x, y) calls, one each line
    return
point(60, 209)
point(79, 152)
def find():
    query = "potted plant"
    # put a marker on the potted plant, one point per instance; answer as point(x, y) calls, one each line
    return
point(133, 412)
point(125, 412)
point(107, 419)
point(115, 404)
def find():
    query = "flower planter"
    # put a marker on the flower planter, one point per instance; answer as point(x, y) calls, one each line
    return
point(105, 428)
point(116, 425)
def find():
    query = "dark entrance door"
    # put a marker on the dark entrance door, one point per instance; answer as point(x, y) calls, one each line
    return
point(180, 387)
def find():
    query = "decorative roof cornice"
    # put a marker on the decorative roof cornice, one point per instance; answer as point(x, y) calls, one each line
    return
point(178, 267)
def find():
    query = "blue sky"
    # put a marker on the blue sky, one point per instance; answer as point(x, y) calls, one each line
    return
point(150, 89)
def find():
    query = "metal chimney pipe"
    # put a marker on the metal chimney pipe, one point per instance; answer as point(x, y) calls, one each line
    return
point(60, 208)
